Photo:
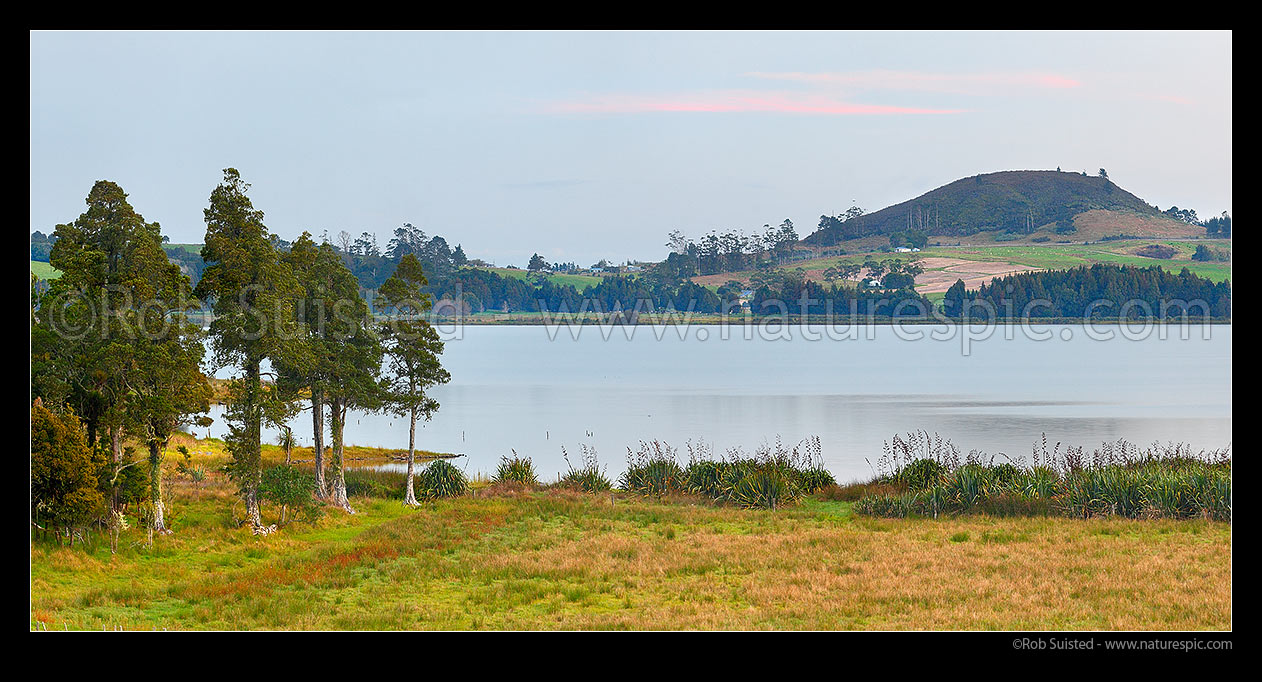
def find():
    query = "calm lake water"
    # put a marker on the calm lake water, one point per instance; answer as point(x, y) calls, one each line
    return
point(517, 388)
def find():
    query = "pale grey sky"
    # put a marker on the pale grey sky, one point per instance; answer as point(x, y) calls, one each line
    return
point(584, 146)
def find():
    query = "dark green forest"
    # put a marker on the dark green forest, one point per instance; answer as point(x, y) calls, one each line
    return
point(1096, 292)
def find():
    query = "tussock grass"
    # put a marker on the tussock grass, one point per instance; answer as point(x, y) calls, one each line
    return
point(768, 478)
point(516, 469)
point(922, 475)
point(589, 476)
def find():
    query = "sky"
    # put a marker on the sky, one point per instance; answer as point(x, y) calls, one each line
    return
point(589, 145)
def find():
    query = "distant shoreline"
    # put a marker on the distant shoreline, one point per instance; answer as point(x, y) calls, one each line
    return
point(535, 320)
point(527, 320)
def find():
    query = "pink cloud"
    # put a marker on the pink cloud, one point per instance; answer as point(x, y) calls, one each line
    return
point(735, 101)
point(954, 83)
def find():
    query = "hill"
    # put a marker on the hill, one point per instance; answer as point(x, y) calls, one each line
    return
point(1012, 204)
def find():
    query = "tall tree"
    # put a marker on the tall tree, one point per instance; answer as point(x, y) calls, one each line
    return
point(252, 292)
point(412, 346)
point(137, 366)
point(350, 363)
point(103, 256)
point(537, 263)
point(316, 267)
point(953, 301)
point(167, 386)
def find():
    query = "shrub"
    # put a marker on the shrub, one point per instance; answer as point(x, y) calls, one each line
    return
point(652, 470)
point(708, 478)
point(1004, 474)
point(657, 478)
point(1157, 251)
point(1040, 482)
point(517, 469)
point(1117, 479)
point(287, 486)
point(64, 492)
point(441, 479)
point(766, 488)
point(921, 473)
point(966, 486)
point(813, 479)
point(1204, 253)
point(590, 477)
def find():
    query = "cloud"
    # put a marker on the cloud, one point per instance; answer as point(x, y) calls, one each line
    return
point(734, 101)
point(992, 83)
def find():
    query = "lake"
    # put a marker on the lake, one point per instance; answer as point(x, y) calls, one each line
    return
point(536, 389)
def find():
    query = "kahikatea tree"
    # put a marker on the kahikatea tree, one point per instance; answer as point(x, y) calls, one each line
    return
point(128, 356)
point(352, 361)
point(252, 294)
point(104, 257)
point(64, 493)
point(339, 359)
point(953, 301)
point(413, 347)
point(324, 278)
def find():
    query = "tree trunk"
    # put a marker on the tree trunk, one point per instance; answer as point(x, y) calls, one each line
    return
point(116, 447)
point(155, 488)
point(116, 443)
point(409, 497)
point(251, 473)
point(339, 464)
point(317, 437)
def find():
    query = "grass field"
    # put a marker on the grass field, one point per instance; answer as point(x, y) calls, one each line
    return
point(943, 263)
point(1063, 256)
point(43, 270)
point(562, 560)
point(579, 282)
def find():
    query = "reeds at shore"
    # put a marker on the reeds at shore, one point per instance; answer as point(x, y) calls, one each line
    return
point(924, 475)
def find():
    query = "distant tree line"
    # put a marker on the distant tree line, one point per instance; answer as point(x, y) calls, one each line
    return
point(732, 250)
point(1100, 291)
point(1218, 226)
point(794, 294)
point(41, 246)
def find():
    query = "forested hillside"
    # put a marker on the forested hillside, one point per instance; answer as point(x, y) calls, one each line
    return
point(1010, 201)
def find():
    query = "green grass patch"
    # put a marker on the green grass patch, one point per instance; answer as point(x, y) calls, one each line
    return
point(43, 270)
point(579, 282)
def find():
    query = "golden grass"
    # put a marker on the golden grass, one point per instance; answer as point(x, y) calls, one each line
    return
point(564, 560)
